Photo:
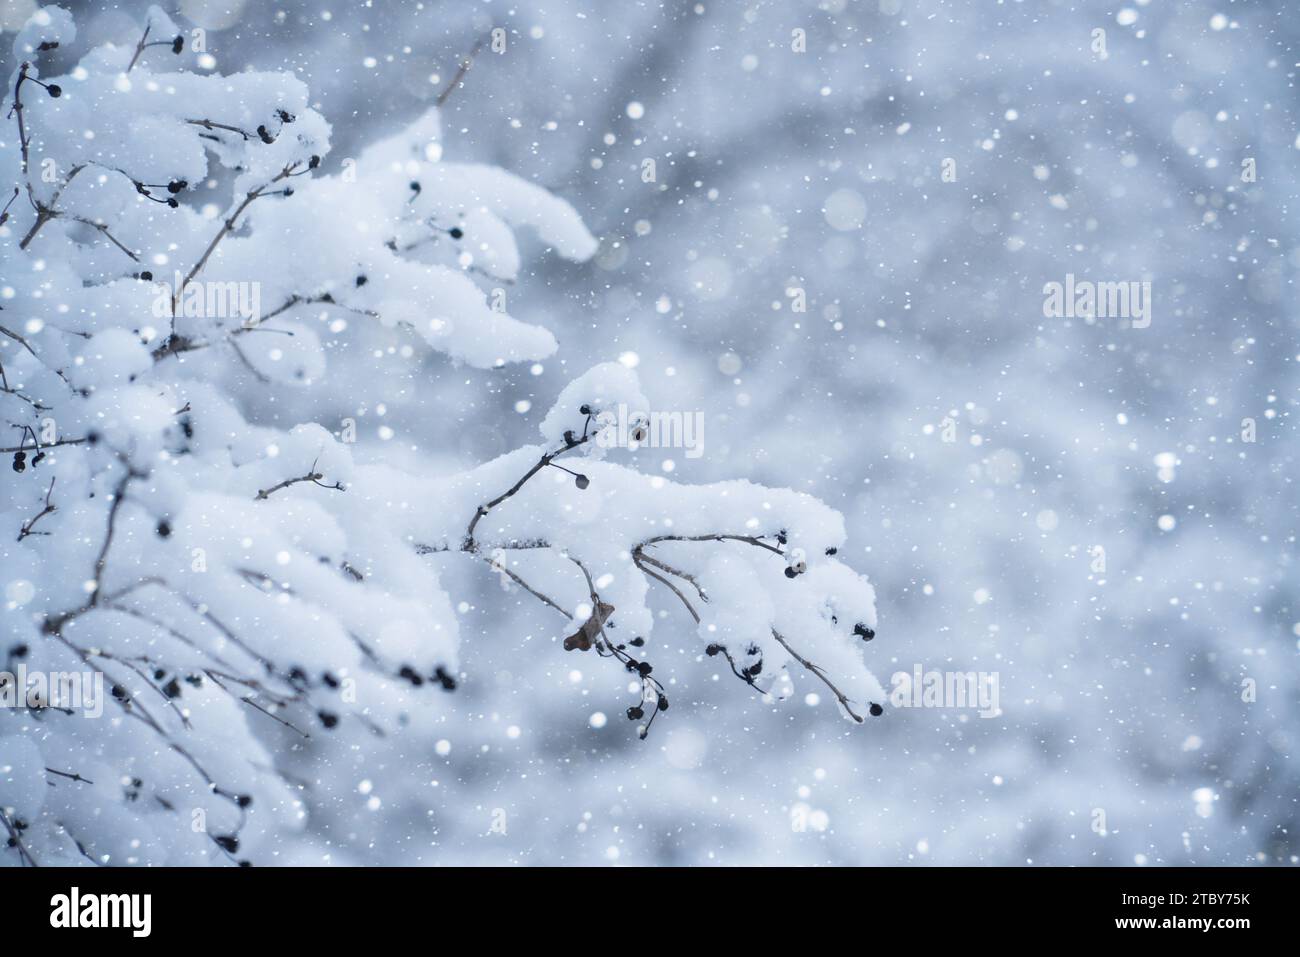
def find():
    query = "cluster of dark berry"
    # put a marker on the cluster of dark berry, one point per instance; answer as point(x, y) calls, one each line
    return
point(20, 460)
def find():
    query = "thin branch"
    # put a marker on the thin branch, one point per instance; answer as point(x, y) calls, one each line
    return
point(748, 679)
point(248, 700)
point(18, 108)
point(119, 496)
point(35, 355)
point(675, 590)
point(672, 571)
point(103, 230)
point(163, 626)
point(226, 228)
point(209, 125)
point(248, 363)
point(572, 442)
point(312, 476)
point(27, 526)
point(177, 345)
point(500, 567)
point(756, 541)
point(460, 73)
point(70, 777)
point(47, 445)
point(839, 695)
point(139, 47)
point(46, 212)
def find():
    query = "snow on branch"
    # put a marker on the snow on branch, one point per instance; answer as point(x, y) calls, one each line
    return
point(223, 605)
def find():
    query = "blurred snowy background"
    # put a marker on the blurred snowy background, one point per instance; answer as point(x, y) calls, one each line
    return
point(777, 171)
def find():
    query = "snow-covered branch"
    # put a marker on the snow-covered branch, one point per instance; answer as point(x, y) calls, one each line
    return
point(235, 605)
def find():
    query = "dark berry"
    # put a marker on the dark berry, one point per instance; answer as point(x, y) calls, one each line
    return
point(176, 185)
point(635, 714)
point(791, 573)
point(582, 481)
point(54, 90)
point(663, 702)
point(863, 632)
point(227, 842)
point(264, 135)
point(637, 642)
point(328, 719)
point(455, 232)
point(178, 44)
point(644, 668)
point(876, 710)
point(712, 650)
point(411, 675)
point(361, 281)
point(243, 800)
point(164, 529)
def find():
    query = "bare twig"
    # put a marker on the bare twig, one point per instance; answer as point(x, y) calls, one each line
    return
point(756, 541)
point(18, 109)
point(248, 700)
point(48, 445)
point(460, 73)
point(46, 212)
point(227, 227)
point(119, 496)
point(571, 442)
point(500, 567)
point(70, 777)
point(103, 231)
point(839, 695)
point(675, 590)
point(139, 47)
point(35, 355)
point(312, 476)
point(641, 556)
point(209, 125)
point(27, 526)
